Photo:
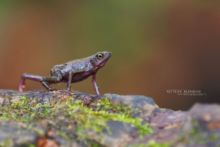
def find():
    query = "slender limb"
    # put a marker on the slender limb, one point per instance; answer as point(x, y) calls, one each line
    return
point(46, 85)
point(21, 84)
point(44, 80)
point(95, 85)
point(30, 77)
point(69, 81)
point(48, 80)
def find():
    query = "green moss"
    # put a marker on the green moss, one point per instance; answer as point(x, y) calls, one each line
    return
point(24, 110)
point(71, 118)
point(151, 143)
point(6, 143)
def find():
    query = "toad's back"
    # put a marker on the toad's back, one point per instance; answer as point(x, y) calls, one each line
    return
point(80, 69)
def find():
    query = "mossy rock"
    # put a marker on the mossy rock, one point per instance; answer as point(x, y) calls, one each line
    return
point(61, 118)
point(74, 118)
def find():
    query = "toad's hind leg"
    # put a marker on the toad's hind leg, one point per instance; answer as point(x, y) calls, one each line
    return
point(44, 80)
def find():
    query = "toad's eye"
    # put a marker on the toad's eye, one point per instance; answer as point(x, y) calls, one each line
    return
point(99, 56)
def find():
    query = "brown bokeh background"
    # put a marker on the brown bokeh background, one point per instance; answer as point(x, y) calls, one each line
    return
point(157, 45)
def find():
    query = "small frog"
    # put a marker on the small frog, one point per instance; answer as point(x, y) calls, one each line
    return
point(70, 72)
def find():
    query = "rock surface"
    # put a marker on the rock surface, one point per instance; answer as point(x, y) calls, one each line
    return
point(61, 118)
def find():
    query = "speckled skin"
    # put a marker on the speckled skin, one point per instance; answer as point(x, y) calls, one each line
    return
point(72, 71)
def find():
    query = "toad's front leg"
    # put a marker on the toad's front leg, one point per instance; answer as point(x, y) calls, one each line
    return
point(44, 80)
point(95, 85)
point(70, 75)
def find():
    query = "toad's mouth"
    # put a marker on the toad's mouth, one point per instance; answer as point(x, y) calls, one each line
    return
point(102, 64)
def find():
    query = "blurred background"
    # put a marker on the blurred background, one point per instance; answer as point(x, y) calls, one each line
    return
point(168, 50)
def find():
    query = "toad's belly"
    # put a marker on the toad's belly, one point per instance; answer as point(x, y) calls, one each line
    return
point(78, 76)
